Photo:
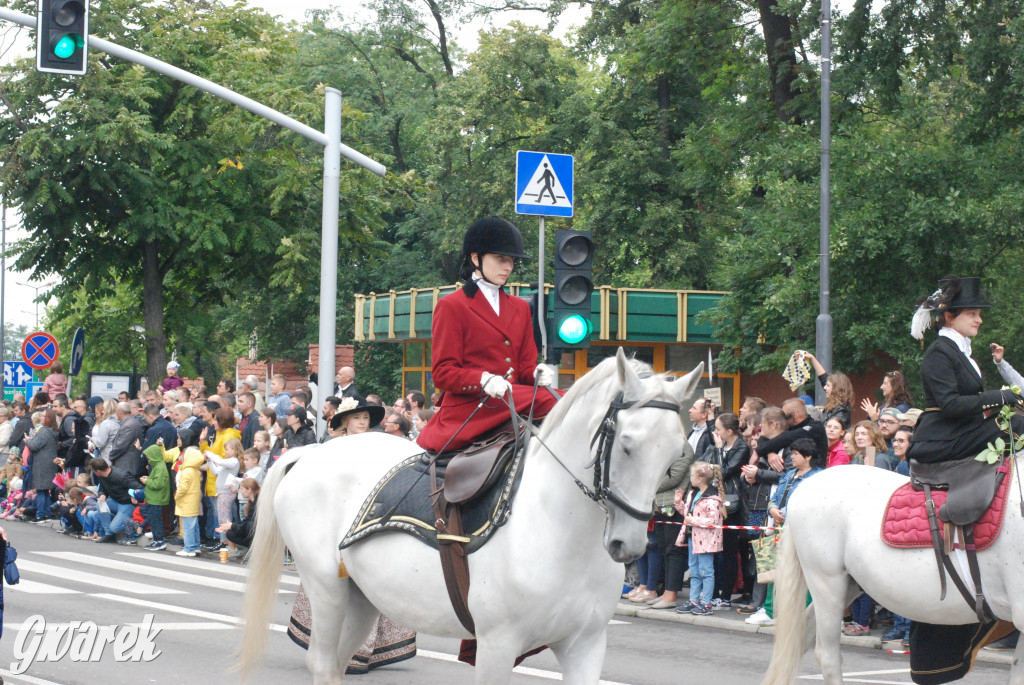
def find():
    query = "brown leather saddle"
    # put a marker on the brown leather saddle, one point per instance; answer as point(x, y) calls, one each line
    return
point(468, 473)
point(971, 487)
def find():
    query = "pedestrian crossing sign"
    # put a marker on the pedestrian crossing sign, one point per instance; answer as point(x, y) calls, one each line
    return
point(544, 183)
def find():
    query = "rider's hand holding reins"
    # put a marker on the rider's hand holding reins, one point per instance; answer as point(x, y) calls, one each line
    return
point(545, 375)
point(494, 386)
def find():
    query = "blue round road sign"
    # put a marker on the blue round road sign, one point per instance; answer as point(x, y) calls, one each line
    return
point(40, 350)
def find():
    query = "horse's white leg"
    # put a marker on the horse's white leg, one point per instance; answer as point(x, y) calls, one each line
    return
point(831, 594)
point(360, 617)
point(327, 605)
point(496, 653)
point(1017, 668)
point(582, 656)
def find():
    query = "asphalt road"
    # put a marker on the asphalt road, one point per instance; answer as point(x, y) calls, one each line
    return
point(194, 603)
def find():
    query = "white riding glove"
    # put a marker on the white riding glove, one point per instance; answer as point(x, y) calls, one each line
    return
point(493, 385)
point(545, 375)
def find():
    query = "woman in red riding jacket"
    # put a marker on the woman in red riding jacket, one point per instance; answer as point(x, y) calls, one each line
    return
point(483, 345)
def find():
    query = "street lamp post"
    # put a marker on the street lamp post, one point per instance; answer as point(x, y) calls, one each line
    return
point(37, 288)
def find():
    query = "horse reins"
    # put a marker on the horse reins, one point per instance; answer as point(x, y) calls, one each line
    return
point(604, 438)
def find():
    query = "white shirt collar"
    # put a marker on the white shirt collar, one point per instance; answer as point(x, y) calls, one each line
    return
point(695, 435)
point(490, 291)
point(962, 342)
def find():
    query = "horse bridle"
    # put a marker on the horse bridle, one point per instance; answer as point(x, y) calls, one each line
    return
point(604, 438)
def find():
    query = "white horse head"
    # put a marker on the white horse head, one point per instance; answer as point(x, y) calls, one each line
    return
point(646, 436)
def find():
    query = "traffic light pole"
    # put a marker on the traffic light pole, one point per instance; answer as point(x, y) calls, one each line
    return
point(329, 139)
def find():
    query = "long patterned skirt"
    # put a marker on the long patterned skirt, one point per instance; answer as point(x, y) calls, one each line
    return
point(388, 642)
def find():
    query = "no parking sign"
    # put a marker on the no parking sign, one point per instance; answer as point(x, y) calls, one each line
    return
point(40, 350)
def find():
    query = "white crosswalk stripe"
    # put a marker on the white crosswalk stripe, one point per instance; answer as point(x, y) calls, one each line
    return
point(203, 579)
point(209, 566)
point(33, 587)
point(74, 575)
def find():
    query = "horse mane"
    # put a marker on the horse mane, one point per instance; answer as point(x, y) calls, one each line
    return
point(597, 376)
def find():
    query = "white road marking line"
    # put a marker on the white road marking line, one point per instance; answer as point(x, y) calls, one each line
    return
point(36, 588)
point(77, 576)
point(213, 567)
point(859, 680)
point(615, 622)
point(31, 680)
point(224, 618)
point(184, 626)
point(51, 626)
point(165, 574)
point(852, 677)
point(521, 670)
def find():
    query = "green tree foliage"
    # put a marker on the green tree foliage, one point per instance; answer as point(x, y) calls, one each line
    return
point(694, 126)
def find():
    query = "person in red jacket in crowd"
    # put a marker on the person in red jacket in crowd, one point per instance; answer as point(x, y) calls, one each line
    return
point(483, 346)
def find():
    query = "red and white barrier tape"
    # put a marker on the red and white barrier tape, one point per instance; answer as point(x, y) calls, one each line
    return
point(680, 523)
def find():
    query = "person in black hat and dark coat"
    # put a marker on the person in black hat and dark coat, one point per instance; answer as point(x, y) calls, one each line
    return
point(483, 343)
point(959, 417)
point(299, 431)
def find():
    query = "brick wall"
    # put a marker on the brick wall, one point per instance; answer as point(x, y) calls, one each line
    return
point(295, 373)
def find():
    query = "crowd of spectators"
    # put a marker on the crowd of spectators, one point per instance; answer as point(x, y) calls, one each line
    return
point(176, 464)
point(759, 457)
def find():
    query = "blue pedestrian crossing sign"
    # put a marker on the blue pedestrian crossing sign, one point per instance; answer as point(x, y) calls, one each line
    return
point(544, 183)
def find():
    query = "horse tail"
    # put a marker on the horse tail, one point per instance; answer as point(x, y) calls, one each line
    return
point(265, 559)
point(790, 605)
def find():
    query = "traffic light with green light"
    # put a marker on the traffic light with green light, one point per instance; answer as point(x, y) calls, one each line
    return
point(574, 261)
point(62, 36)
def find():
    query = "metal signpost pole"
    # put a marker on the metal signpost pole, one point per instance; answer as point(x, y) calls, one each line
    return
point(3, 274)
point(540, 291)
point(329, 250)
point(823, 324)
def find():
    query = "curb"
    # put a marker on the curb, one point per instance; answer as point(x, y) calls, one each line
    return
point(735, 625)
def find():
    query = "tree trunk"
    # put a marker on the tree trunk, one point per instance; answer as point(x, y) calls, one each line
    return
point(778, 39)
point(153, 314)
point(665, 115)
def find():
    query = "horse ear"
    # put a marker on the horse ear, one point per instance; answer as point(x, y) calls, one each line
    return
point(684, 386)
point(630, 383)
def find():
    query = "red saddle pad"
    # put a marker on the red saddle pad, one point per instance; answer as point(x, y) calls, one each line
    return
point(905, 522)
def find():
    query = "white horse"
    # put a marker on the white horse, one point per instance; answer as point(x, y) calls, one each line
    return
point(551, 576)
point(832, 546)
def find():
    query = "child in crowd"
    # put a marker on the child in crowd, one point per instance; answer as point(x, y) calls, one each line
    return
point(261, 443)
point(158, 495)
point(251, 465)
point(84, 481)
point(224, 468)
point(186, 500)
point(56, 383)
point(242, 533)
point(702, 514)
point(87, 509)
point(70, 523)
point(13, 500)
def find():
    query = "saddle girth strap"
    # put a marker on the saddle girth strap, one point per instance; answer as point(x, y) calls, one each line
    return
point(981, 606)
point(451, 543)
point(976, 601)
point(933, 524)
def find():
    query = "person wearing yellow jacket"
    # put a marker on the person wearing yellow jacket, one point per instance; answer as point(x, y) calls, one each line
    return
point(186, 500)
point(224, 419)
